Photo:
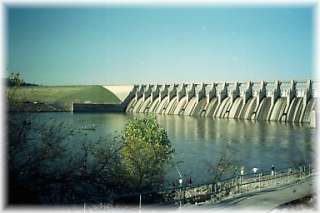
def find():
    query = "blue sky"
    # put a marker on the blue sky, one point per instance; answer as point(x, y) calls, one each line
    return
point(125, 45)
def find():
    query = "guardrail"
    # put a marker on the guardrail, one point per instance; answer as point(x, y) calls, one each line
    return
point(239, 185)
point(215, 192)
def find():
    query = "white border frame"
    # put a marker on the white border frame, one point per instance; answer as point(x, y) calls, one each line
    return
point(84, 3)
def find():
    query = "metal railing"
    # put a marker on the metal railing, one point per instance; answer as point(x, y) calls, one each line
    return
point(240, 185)
point(219, 191)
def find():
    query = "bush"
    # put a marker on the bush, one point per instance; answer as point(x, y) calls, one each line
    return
point(145, 153)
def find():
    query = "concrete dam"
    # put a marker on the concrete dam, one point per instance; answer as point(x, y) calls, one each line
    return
point(284, 101)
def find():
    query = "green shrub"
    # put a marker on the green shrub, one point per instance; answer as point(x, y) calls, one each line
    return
point(145, 153)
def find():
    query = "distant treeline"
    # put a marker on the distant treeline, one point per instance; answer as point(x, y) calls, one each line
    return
point(11, 83)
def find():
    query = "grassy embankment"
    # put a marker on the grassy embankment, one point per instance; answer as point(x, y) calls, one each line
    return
point(59, 98)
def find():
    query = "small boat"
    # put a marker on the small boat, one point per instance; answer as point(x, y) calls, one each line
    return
point(89, 128)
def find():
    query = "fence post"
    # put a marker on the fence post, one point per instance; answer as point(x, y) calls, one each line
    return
point(232, 182)
point(260, 181)
point(180, 199)
point(309, 169)
point(280, 178)
point(140, 203)
point(240, 186)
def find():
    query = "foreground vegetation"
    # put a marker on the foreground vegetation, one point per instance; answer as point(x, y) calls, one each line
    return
point(45, 168)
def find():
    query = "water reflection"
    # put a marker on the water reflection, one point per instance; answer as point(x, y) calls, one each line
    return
point(201, 142)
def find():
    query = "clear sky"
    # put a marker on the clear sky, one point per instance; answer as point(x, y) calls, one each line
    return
point(138, 44)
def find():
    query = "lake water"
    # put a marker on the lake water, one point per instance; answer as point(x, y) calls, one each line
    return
point(201, 142)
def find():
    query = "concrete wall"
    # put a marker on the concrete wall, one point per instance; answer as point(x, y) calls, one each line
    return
point(121, 91)
point(80, 107)
point(124, 92)
point(283, 101)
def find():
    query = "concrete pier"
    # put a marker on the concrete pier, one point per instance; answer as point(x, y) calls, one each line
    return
point(282, 101)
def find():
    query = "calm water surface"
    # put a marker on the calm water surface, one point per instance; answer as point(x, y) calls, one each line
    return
point(201, 142)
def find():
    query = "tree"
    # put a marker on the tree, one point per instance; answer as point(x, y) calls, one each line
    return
point(145, 153)
point(225, 167)
point(41, 169)
point(15, 79)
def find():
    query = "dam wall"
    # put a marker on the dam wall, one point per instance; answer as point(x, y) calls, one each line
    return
point(282, 101)
point(125, 93)
point(92, 107)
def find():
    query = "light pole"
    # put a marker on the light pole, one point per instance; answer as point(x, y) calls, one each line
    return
point(241, 175)
point(140, 203)
point(180, 184)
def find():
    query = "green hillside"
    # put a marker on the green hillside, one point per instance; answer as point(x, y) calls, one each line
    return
point(64, 95)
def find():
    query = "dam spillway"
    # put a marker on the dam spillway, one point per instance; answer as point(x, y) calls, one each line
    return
point(283, 101)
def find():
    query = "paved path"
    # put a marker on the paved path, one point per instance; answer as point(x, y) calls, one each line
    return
point(266, 199)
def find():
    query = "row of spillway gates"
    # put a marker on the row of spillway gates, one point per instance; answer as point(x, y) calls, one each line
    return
point(285, 101)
